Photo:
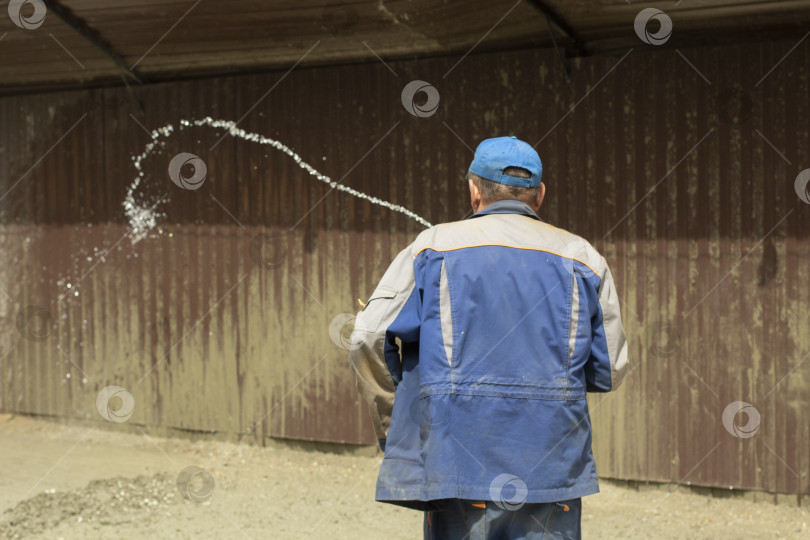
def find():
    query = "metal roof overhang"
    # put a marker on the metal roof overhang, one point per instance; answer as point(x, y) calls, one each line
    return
point(47, 44)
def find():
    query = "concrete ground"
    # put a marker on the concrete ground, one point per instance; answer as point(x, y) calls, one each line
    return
point(74, 481)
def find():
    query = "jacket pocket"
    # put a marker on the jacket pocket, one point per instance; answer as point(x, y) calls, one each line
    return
point(369, 319)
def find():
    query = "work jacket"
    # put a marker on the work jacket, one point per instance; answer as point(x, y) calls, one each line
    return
point(475, 353)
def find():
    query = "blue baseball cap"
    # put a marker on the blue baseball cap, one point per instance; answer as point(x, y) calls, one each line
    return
point(494, 155)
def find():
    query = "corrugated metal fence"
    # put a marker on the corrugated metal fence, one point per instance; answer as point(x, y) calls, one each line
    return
point(678, 165)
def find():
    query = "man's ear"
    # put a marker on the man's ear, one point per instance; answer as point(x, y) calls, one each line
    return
point(475, 196)
point(541, 193)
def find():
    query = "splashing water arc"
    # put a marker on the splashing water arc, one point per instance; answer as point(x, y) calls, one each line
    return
point(143, 217)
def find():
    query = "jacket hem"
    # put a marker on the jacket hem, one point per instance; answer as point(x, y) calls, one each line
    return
point(417, 497)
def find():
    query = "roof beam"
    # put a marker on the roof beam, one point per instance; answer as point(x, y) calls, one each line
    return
point(560, 23)
point(90, 34)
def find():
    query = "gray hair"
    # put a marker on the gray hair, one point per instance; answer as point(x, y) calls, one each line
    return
point(493, 191)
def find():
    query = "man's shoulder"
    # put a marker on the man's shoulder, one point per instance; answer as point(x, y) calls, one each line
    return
point(511, 230)
point(567, 244)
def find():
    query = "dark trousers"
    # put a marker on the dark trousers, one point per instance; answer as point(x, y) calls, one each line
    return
point(473, 520)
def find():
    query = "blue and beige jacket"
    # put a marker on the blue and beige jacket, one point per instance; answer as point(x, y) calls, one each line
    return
point(475, 353)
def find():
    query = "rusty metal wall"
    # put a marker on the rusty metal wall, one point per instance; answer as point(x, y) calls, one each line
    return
point(679, 166)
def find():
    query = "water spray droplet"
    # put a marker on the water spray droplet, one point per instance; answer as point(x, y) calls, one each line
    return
point(143, 217)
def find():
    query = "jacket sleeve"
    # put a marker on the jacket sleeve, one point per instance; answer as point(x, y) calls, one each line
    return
point(391, 312)
point(607, 364)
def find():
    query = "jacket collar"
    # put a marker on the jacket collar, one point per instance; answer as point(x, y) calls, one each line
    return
point(507, 207)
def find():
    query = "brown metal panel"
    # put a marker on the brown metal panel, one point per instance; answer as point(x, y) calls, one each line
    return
point(715, 307)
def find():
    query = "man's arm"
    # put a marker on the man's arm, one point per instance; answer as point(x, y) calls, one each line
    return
point(607, 364)
point(374, 354)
